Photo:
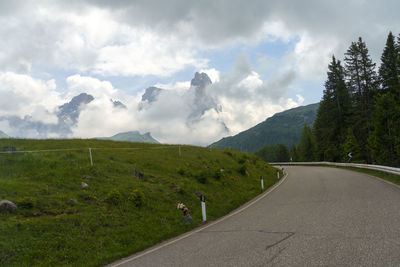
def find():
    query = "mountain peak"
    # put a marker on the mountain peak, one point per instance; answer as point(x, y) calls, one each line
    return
point(71, 109)
point(151, 94)
point(118, 104)
point(200, 80)
point(132, 136)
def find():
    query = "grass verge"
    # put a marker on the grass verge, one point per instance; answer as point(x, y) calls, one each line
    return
point(128, 205)
point(383, 175)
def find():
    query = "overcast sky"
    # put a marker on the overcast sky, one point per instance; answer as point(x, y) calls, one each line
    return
point(262, 56)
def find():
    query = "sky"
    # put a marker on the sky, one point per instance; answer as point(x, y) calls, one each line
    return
point(262, 56)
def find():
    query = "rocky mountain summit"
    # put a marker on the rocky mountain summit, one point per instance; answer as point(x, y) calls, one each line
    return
point(151, 94)
point(200, 80)
point(132, 136)
point(69, 112)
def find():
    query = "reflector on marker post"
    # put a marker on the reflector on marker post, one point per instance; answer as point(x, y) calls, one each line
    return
point(262, 182)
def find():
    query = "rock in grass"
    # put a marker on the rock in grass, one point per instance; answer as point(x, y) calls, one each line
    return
point(84, 185)
point(6, 205)
point(187, 218)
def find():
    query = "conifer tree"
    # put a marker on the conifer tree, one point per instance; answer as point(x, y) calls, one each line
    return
point(389, 70)
point(267, 153)
point(351, 146)
point(293, 154)
point(384, 141)
point(330, 125)
point(306, 145)
point(362, 81)
point(282, 153)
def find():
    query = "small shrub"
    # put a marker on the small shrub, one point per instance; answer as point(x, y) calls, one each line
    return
point(181, 190)
point(137, 197)
point(228, 152)
point(114, 197)
point(201, 177)
point(242, 159)
point(242, 169)
point(26, 203)
point(181, 171)
point(217, 175)
point(86, 196)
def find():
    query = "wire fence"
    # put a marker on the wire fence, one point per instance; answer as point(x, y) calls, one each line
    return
point(89, 150)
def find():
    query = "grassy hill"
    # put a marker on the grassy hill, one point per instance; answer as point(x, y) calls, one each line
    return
point(60, 223)
point(133, 136)
point(282, 128)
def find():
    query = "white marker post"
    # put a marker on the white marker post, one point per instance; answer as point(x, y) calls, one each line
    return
point(262, 183)
point(277, 173)
point(90, 155)
point(203, 207)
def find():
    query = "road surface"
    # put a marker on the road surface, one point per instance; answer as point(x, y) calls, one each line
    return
point(318, 216)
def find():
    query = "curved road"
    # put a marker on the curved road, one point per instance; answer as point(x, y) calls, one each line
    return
point(318, 216)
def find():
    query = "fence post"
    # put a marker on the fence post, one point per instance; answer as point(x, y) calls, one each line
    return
point(90, 155)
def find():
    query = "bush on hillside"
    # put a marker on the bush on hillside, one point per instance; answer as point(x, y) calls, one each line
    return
point(137, 197)
point(201, 177)
point(26, 203)
point(114, 197)
point(242, 169)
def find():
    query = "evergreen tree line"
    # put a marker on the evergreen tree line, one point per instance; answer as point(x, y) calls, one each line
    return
point(281, 153)
point(359, 114)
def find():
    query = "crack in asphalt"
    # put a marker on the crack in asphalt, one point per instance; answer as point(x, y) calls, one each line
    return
point(288, 234)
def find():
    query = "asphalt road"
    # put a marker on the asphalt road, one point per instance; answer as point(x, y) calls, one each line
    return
point(318, 216)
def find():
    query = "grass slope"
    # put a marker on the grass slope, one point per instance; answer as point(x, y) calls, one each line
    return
point(58, 223)
point(282, 128)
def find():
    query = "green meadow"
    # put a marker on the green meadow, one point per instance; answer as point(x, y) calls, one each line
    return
point(60, 223)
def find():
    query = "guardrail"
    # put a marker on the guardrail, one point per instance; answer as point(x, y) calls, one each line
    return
point(386, 169)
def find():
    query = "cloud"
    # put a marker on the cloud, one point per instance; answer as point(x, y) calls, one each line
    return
point(322, 28)
point(100, 41)
point(22, 95)
point(237, 101)
point(88, 40)
point(78, 84)
point(247, 100)
point(155, 37)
